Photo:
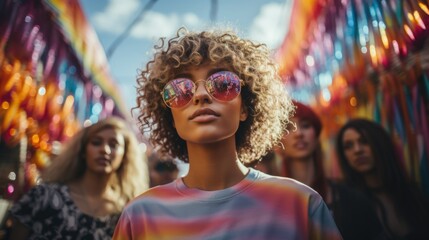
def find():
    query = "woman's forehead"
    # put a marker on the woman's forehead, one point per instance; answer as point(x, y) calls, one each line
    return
point(206, 64)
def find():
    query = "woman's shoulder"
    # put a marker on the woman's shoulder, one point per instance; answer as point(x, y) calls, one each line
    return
point(336, 183)
point(43, 189)
point(44, 186)
point(160, 191)
point(289, 185)
point(344, 196)
point(154, 196)
point(50, 186)
point(340, 187)
point(38, 201)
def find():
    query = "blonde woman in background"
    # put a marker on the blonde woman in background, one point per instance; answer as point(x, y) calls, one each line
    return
point(86, 187)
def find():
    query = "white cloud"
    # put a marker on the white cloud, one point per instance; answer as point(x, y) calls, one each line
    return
point(116, 15)
point(155, 24)
point(192, 20)
point(119, 13)
point(271, 24)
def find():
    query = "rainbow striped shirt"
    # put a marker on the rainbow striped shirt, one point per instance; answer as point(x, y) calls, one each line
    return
point(259, 207)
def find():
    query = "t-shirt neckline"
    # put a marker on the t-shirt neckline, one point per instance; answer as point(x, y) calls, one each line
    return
point(217, 195)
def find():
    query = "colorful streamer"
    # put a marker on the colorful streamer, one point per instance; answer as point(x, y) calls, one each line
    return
point(54, 75)
point(370, 60)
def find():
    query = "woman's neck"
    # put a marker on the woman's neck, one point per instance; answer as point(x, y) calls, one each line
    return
point(214, 166)
point(373, 181)
point(301, 170)
point(93, 195)
point(94, 185)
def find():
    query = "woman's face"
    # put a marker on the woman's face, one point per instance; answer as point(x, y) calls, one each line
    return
point(205, 119)
point(357, 151)
point(105, 151)
point(300, 143)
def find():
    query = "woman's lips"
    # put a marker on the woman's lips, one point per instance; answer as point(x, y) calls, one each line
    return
point(361, 160)
point(300, 145)
point(103, 161)
point(204, 118)
point(204, 114)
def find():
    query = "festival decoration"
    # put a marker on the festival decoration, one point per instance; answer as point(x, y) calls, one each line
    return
point(54, 76)
point(358, 58)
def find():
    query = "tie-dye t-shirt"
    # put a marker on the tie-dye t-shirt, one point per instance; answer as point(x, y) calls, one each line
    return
point(259, 207)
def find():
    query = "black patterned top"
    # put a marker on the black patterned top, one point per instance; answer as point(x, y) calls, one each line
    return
point(50, 213)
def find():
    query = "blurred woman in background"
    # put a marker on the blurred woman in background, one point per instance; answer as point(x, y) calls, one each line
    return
point(85, 188)
point(301, 154)
point(302, 159)
point(371, 164)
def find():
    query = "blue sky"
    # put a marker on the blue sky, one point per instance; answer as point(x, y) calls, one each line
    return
point(265, 21)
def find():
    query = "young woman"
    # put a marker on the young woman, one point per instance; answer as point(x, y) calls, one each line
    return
point(302, 159)
point(370, 164)
point(301, 153)
point(215, 100)
point(86, 186)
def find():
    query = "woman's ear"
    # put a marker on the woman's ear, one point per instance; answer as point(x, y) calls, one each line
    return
point(243, 113)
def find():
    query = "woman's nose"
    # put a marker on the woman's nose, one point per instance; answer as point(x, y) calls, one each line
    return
point(357, 147)
point(201, 95)
point(106, 148)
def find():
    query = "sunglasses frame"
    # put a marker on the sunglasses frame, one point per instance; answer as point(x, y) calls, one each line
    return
point(194, 88)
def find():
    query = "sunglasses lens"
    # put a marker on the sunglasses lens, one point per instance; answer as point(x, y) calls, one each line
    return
point(224, 86)
point(178, 92)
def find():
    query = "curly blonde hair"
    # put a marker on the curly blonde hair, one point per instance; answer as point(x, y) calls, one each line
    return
point(267, 103)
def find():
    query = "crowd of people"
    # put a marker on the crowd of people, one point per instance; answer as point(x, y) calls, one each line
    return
point(256, 164)
point(374, 194)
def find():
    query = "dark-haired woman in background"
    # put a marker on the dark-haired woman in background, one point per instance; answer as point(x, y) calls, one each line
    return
point(302, 159)
point(371, 165)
